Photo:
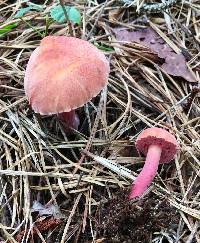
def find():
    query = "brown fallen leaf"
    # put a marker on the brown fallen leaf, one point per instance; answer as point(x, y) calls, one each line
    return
point(42, 224)
point(49, 218)
point(174, 64)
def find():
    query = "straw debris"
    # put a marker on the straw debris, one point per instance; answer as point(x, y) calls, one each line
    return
point(39, 162)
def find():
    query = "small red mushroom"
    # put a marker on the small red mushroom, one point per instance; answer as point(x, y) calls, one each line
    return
point(62, 74)
point(159, 146)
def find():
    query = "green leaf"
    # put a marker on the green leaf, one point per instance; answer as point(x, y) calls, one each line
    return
point(74, 15)
point(58, 14)
point(22, 12)
point(103, 48)
point(31, 6)
point(7, 28)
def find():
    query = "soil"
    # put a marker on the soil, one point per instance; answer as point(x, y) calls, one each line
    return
point(120, 220)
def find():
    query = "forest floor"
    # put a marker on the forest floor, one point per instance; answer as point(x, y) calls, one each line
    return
point(53, 186)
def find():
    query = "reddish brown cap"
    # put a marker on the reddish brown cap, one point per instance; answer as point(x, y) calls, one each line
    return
point(159, 137)
point(64, 73)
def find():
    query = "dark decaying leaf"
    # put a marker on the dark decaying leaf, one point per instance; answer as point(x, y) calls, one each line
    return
point(175, 64)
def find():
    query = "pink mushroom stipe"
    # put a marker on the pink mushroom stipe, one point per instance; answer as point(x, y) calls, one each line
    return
point(62, 74)
point(159, 146)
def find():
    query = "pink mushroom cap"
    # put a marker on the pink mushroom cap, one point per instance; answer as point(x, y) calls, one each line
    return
point(157, 136)
point(64, 73)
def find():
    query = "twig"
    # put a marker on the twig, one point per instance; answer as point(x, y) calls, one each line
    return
point(97, 19)
point(70, 218)
point(66, 16)
point(33, 28)
point(195, 90)
point(119, 169)
point(92, 135)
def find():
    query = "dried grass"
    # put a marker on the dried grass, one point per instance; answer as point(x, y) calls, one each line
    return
point(39, 162)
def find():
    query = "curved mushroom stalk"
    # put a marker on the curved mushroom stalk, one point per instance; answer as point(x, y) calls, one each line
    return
point(159, 146)
point(69, 119)
point(148, 172)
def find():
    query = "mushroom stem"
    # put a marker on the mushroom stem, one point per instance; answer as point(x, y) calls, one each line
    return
point(70, 119)
point(148, 172)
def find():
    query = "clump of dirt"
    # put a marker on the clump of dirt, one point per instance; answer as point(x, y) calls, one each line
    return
point(120, 220)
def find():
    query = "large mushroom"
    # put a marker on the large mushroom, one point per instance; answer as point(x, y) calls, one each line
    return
point(62, 74)
point(159, 146)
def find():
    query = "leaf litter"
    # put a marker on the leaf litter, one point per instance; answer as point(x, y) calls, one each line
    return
point(174, 64)
point(38, 159)
point(48, 218)
point(42, 225)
